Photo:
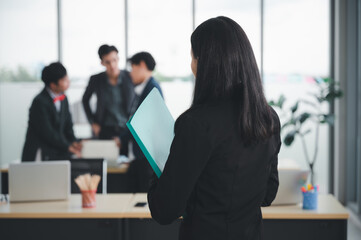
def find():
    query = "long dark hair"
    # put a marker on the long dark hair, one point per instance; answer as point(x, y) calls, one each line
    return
point(227, 69)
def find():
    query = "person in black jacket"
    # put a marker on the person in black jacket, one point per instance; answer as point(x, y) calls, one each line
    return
point(222, 165)
point(139, 170)
point(50, 128)
point(114, 92)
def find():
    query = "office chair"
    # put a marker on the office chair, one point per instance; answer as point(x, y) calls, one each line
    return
point(81, 166)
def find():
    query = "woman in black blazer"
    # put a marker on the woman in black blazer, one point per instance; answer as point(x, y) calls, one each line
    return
point(222, 165)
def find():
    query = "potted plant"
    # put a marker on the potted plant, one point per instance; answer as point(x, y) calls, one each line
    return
point(294, 126)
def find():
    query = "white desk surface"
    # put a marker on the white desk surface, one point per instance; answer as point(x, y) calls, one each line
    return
point(107, 206)
point(122, 168)
point(328, 208)
point(122, 206)
point(137, 212)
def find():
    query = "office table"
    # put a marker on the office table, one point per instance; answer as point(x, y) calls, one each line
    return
point(329, 221)
point(116, 217)
point(122, 168)
point(65, 219)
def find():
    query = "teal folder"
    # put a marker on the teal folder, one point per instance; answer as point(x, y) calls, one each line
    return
point(152, 127)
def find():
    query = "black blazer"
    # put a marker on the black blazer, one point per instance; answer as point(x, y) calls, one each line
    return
point(149, 87)
point(97, 85)
point(213, 180)
point(49, 130)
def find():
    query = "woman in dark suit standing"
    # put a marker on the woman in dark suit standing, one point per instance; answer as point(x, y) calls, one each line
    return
point(222, 165)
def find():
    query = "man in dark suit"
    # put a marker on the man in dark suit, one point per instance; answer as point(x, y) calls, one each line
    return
point(143, 65)
point(114, 91)
point(50, 133)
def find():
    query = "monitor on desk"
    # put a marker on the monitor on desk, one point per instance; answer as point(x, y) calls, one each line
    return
point(106, 149)
point(290, 183)
point(39, 181)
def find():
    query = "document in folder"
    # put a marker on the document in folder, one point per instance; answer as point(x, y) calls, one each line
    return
point(152, 126)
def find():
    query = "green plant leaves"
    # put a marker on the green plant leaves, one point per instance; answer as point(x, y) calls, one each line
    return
point(297, 120)
point(333, 95)
point(327, 91)
point(295, 107)
point(303, 117)
point(328, 118)
point(281, 100)
point(327, 80)
point(290, 137)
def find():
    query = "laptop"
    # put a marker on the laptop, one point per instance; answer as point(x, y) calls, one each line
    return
point(39, 181)
point(106, 149)
point(290, 183)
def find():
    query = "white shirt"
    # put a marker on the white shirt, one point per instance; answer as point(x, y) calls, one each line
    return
point(54, 95)
point(140, 87)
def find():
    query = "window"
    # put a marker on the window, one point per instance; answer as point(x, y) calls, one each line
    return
point(163, 28)
point(86, 26)
point(296, 49)
point(245, 12)
point(28, 31)
point(28, 39)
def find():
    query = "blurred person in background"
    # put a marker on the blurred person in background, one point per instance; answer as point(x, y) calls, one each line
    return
point(142, 66)
point(115, 92)
point(50, 133)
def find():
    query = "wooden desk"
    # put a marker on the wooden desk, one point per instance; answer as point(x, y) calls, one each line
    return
point(137, 212)
point(65, 219)
point(116, 217)
point(123, 168)
point(328, 208)
point(329, 221)
point(107, 206)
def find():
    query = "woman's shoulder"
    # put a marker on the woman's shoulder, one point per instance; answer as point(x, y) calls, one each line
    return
point(192, 113)
point(204, 111)
point(276, 119)
point(207, 115)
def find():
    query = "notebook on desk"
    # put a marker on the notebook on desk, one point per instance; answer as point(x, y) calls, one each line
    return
point(43, 181)
point(152, 126)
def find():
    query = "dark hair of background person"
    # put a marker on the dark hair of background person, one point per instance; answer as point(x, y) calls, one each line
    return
point(143, 56)
point(227, 69)
point(53, 73)
point(106, 49)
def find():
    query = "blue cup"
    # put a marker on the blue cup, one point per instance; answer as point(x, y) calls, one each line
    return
point(310, 200)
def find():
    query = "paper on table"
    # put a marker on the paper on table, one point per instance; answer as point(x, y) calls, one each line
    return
point(152, 126)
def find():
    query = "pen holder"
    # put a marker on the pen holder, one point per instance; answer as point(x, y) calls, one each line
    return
point(88, 198)
point(310, 200)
